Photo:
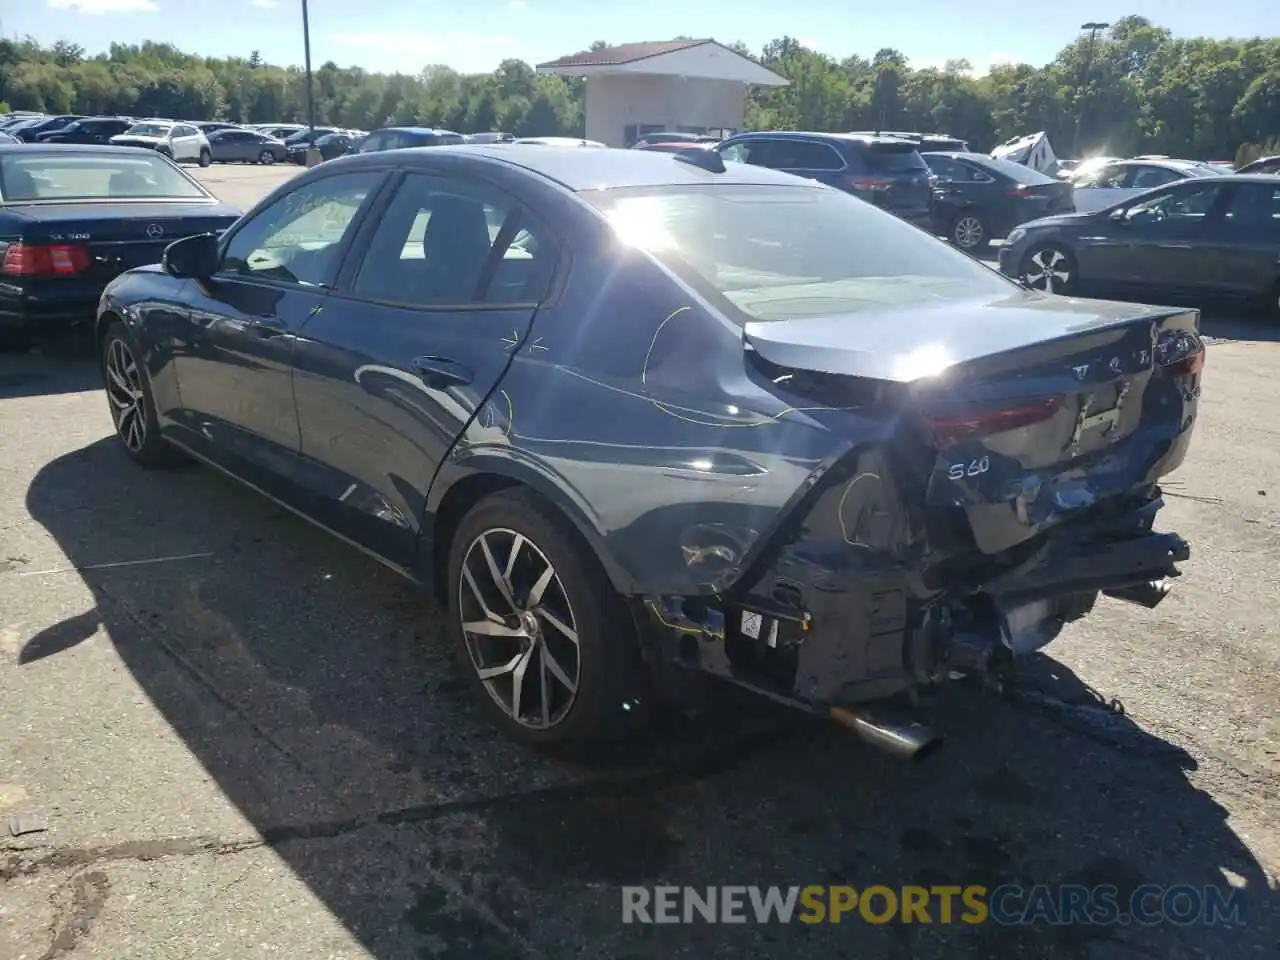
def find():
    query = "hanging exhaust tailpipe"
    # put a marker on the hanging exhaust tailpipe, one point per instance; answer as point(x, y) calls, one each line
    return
point(1143, 594)
point(901, 737)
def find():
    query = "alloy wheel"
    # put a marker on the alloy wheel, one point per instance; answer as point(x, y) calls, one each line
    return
point(266, 157)
point(124, 391)
point(1047, 270)
point(968, 233)
point(519, 628)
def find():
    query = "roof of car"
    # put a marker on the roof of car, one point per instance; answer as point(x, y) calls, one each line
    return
point(810, 134)
point(28, 149)
point(424, 131)
point(599, 169)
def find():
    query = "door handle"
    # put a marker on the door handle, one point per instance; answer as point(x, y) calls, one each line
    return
point(441, 372)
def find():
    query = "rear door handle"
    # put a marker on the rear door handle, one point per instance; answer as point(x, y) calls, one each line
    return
point(441, 372)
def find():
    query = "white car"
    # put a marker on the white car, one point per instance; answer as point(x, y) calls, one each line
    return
point(558, 142)
point(1119, 180)
point(178, 141)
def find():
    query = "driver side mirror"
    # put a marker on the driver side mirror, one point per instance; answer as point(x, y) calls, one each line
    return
point(1120, 216)
point(192, 258)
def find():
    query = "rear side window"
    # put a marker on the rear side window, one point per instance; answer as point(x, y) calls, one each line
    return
point(443, 243)
point(804, 155)
point(893, 158)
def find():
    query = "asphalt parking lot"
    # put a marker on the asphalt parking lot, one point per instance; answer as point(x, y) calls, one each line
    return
point(225, 735)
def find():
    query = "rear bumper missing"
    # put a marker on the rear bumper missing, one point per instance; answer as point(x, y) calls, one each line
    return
point(848, 635)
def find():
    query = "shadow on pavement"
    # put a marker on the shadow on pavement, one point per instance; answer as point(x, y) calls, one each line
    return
point(315, 689)
point(49, 371)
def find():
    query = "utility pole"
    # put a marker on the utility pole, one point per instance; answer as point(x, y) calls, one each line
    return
point(1094, 29)
point(312, 159)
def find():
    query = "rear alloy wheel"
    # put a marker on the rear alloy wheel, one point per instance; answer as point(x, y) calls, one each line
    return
point(133, 411)
point(1049, 269)
point(537, 623)
point(969, 233)
point(206, 158)
point(266, 157)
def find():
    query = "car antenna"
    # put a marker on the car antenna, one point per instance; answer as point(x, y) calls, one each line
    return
point(708, 160)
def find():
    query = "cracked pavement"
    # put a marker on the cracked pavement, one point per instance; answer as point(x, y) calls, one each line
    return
point(258, 746)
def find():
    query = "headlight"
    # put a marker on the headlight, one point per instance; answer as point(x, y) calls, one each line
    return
point(1016, 234)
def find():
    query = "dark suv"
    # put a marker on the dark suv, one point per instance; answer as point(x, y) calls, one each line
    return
point(885, 171)
point(88, 130)
point(398, 138)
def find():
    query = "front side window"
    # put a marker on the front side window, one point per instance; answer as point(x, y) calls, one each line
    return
point(805, 155)
point(32, 176)
point(1108, 178)
point(444, 242)
point(1144, 178)
point(777, 253)
point(297, 238)
point(1187, 204)
point(755, 152)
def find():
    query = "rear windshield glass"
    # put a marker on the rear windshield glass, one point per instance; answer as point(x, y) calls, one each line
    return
point(894, 158)
point(26, 177)
point(1015, 171)
point(777, 253)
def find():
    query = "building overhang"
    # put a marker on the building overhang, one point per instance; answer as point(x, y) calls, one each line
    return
point(694, 59)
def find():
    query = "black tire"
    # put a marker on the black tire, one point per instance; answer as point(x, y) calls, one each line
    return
point(147, 449)
point(266, 158)
point(969, 232)
point(1049, 268)
point(604, 706)
point(206, 158)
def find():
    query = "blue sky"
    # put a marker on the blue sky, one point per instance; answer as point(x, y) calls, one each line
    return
point(474, 35)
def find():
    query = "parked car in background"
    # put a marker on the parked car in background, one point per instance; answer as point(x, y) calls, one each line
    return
point(489, 137)
point(300, 141)
point(180, 142)
point(1262, 165)
point(281, 131)
point(932, 142)
point(558, 142)
point(30, 132)
point(886, 172)
point(88, 130)
point(72, 217)
point(398, 138)
point(678, 147)
point(1204, 236)
point(209, 126)
point(977, 198)
point(1110, 183)
point(784, 440)
point(234, 145)
point(673, 137)
point(297, 145)
point(8, 138)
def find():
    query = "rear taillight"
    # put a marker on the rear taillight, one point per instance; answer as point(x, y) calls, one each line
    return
point(954, 426)
point(1180, 355)
point(875, 184)
point(44, 260)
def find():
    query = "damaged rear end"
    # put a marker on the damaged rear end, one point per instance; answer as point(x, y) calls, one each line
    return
point(1011, 480)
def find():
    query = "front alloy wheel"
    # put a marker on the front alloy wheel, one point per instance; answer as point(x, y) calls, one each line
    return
point(133, 410)
point(1049, 270)
point(266, 158)
point(124, 391)
point(519, 628)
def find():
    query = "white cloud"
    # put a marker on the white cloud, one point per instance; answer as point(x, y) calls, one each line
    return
point(419, 44)
point(265, 4)
point(96, 7)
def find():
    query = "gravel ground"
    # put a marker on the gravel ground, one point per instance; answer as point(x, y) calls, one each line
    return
point(255, 746)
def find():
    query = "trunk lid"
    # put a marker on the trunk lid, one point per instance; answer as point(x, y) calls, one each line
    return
point(120, 236)
point(895, 178)
point(1013, 415)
